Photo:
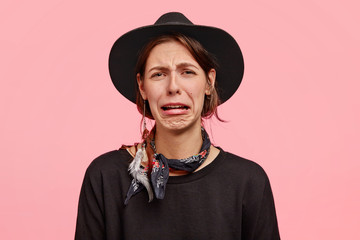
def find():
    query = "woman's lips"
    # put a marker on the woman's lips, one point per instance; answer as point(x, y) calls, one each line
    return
point(174, 109)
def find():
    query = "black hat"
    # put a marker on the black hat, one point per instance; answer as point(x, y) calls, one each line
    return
point(125, 52)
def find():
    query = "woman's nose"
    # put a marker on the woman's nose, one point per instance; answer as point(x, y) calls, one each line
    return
point(173, 87)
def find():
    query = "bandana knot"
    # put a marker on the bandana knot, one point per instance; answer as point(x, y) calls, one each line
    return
point(160, 169)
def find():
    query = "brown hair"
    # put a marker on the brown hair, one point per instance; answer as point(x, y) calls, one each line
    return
point(201, 55)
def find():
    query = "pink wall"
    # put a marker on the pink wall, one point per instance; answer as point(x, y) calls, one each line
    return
point(296, 113)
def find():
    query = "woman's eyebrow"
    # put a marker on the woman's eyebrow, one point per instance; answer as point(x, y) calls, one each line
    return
point(157, 68)
point(180, 65)
point(186, 64)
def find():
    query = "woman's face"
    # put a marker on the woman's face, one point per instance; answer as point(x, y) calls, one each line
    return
point(175, 86)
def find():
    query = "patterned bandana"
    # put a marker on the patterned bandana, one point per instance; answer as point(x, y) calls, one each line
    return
point(161, 165)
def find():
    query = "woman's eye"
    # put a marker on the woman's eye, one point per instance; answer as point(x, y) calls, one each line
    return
point(156, 75)
point(189, 72)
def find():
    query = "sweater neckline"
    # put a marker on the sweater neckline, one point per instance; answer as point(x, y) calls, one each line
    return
point(198, 174)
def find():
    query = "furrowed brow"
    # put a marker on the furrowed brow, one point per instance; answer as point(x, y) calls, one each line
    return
point(158, 68)
point(186, 64)
point(180, 65)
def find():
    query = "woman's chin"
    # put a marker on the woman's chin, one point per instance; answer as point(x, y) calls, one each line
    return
point(175, 124)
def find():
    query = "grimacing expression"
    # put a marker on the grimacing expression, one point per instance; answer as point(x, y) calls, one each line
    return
point(175, 86)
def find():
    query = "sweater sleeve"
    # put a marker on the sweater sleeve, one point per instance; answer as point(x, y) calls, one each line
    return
point(90, 220)
point(259, 216)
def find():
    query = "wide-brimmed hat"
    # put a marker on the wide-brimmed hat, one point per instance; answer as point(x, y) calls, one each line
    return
point(126, 49)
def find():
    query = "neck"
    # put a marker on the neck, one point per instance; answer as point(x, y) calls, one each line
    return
point(178, 144)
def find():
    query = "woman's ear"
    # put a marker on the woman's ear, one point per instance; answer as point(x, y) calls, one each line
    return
point(140, 83)
point(211, 81)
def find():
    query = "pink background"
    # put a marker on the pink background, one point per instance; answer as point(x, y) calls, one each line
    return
point(296, 113)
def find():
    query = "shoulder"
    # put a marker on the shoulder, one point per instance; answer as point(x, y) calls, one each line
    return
point(243, 168)
point(110, 161)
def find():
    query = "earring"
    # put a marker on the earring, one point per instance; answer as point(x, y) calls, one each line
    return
point(145, 132)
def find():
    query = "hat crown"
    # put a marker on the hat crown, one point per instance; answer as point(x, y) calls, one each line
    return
point(173, 18)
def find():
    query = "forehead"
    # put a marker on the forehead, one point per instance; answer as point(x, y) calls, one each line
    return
point(169, 53)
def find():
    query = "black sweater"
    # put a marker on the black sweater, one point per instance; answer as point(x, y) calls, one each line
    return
point(230, 198)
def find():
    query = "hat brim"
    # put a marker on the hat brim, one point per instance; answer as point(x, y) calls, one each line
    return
point(125, 52)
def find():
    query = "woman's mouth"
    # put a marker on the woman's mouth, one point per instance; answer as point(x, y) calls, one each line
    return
point(174, 109)
point(169, 107)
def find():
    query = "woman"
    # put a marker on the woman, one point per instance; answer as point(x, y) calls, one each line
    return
point(175, 184)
